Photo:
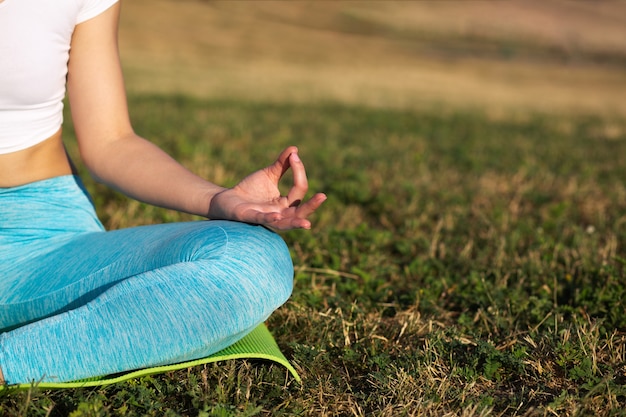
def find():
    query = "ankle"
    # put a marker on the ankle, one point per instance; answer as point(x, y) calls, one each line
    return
point(1, 377)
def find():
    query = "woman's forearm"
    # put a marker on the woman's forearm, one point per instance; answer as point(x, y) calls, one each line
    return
point(141, 170)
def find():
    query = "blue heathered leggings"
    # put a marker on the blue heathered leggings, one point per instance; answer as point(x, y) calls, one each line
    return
point(77, 301)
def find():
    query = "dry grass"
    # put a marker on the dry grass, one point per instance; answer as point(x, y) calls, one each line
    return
point(504, 56)
point(462, 266)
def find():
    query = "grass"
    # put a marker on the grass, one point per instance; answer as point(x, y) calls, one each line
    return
point(463, 265)
point(511, 56)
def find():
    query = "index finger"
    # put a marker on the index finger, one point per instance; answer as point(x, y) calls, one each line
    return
point(300, 181)
point(282, 163)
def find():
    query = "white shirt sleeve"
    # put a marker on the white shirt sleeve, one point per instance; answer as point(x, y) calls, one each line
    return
point(92, 8)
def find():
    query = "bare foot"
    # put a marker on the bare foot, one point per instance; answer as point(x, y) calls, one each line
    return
point(1, 376)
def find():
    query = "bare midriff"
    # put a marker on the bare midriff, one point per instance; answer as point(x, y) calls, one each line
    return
point(45, 160)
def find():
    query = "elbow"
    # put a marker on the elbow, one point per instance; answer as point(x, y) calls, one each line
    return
point(92, 163)
point(103, 157)
point(99, 161)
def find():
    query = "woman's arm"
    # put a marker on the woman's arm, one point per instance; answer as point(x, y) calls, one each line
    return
point(118, 157)
point(109, 147)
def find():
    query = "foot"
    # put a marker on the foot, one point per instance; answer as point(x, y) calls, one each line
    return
point(1, 377)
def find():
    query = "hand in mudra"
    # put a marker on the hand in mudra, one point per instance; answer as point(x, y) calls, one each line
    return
point(256, 199)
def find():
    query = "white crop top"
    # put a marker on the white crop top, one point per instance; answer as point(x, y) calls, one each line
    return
point(35, 40)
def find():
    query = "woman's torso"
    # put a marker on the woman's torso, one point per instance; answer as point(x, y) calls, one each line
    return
point(44, 160)
point(35, 38)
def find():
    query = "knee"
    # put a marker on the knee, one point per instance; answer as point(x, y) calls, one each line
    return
point(263, 256)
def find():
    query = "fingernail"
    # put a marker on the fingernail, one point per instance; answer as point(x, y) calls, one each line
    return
point(296, 158)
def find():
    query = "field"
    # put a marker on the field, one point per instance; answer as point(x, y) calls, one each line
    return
point(471, 257)
point(558, 56)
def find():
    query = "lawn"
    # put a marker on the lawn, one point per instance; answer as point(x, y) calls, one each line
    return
point(464, 264)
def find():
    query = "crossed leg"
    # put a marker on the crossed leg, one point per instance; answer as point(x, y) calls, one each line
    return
point(168, 293)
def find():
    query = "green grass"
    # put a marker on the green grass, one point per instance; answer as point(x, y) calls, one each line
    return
point(462, 265)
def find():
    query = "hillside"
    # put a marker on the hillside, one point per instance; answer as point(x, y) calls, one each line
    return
point(558, 56)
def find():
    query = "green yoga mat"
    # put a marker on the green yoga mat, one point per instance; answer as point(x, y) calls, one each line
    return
point(259, 344)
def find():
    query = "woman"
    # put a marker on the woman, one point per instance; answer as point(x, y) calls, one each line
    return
point(76, 301)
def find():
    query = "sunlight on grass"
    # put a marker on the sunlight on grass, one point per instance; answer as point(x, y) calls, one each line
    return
point(462, 266)
point(470, 259)
point(459, 55)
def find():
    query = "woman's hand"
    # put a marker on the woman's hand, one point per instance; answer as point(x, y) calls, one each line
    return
point(257, 199)
point(116, 156)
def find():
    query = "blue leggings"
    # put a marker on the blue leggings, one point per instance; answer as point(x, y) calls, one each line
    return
point(77, 301)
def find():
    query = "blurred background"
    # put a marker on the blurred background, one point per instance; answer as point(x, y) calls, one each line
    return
point(510, 56)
